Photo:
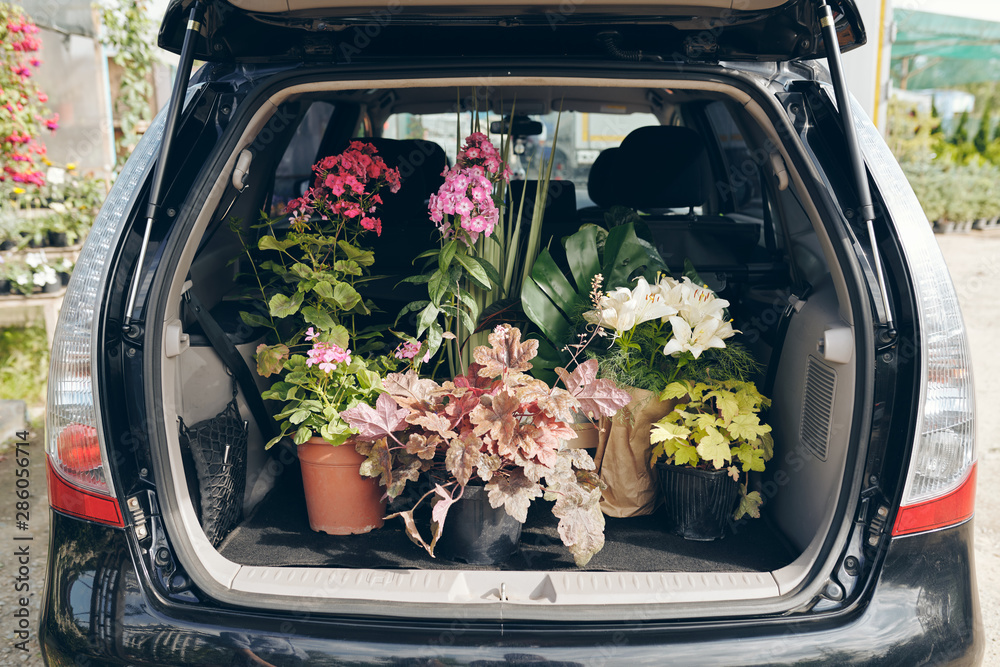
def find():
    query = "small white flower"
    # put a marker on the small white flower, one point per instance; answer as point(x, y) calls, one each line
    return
point(45, 276)
point(34, 259)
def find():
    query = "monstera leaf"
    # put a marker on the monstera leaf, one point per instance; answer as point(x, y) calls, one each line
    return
point(552, 302)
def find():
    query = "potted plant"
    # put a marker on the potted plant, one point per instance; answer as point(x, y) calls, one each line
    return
point(309, 303)
point(705, 447)
point(64, 268)
point(661, 332)
point(490, 442)
point(57, 229)
point(4, 277)
point(20, 277)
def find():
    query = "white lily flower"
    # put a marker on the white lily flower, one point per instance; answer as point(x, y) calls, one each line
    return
point(623, 309)
point(705, 335)
point(616, 310)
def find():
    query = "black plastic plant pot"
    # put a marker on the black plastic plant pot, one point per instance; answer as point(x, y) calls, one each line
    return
point(51, 288)
point(698, 504)
point(476, 533)
point(4, 286)
point(8, 244)
point(64, 278)
point(58, 239)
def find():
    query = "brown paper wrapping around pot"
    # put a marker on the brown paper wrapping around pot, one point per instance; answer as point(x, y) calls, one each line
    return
point(623, 456)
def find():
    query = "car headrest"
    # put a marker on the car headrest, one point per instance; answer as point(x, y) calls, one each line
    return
point(601, 186)
point(656, 167)
point(560, 202)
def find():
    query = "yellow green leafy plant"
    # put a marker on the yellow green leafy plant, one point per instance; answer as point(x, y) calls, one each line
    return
point(716, 426)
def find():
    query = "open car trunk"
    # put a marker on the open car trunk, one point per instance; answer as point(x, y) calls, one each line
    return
point(757, 238)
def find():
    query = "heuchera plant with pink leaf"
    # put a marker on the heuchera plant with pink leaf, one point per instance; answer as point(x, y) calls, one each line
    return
point(496, 426)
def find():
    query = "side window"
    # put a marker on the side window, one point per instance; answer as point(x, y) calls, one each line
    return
point(294, 172)
point(740, 189)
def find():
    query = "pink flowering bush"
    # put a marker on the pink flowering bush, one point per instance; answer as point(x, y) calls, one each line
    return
point(307, 275)
point(23, 116)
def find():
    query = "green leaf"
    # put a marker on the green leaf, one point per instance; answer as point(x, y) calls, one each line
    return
point(674, 390)
point(714, 447)
point(749, 506)
point(625, 254)
point(435, 334)
point(362, 257)
point(324, 289)
point(299, 416)
point(686, 455)
point(281, 306)
point(550, 279)
point(446, 255)
point(271, 243)
point(491, 271)
point(347, 267)
point(747, 427)
point(271, 359)
point(254, 320)
point(473, 270)
point(317, 317)
point(419, 280)
point(437, 287)
point(726, 403)
point(427, 316)
point(345, 296)
point(662, 431)
point(303, 434)
point(338, 335)
point(540, 310)
point(582, 257)
point(302, 271)
point(411, 307)
point(751, 457)
point(470, 304)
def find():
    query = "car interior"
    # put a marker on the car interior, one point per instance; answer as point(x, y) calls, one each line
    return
point(705, 174)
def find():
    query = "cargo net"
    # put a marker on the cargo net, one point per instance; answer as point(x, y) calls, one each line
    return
point(218, 448)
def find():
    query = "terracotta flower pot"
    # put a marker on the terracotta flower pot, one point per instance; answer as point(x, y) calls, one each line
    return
point(339, 500)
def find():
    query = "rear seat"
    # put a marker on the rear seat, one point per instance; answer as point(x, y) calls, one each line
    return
point(657, 170)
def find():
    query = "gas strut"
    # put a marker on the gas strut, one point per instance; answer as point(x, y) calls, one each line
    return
point(169, 131)
point(866, 209)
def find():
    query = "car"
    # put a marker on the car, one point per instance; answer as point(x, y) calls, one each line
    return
point(755, 165)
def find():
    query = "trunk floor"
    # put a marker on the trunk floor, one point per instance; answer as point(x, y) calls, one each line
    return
point(277, 533)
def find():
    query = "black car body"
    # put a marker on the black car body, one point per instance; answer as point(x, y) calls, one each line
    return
point(873, 516)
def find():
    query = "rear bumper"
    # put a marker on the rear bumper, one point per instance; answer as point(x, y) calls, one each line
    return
point(923, 610)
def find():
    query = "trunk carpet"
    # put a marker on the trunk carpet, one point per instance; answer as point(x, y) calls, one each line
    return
point(277, 533)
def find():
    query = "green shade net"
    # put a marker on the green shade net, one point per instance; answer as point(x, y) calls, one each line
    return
point(939, 51)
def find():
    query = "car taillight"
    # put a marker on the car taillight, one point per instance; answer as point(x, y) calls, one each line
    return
point(940, 482)
point(79, 477)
